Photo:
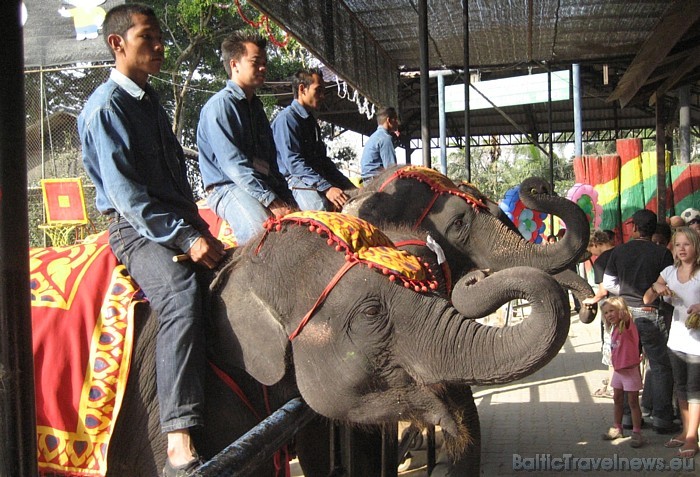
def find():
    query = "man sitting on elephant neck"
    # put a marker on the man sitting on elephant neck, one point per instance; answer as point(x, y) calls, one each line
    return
point(138, 168)
point(316, 182)
point(237, 154)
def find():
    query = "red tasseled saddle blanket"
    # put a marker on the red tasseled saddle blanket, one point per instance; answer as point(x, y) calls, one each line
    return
point(82, 324)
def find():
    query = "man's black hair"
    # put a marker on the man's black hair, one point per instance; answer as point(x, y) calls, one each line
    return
point(119, 19)
point(305, 77)
point(386, 113)
point(645, 220)
point(233, 46)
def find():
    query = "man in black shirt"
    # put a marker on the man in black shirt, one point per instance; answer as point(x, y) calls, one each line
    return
point(631, 270)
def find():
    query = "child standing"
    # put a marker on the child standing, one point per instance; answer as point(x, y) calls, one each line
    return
point(625, 360)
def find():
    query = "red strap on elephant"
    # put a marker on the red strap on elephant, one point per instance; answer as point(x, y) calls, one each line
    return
point(361, 242)
point(425, 212)
point(347, 266)
point(233, 386)
point(228, 381)
point(437, 182)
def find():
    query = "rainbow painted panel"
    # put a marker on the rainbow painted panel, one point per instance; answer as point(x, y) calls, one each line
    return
point(627, 182)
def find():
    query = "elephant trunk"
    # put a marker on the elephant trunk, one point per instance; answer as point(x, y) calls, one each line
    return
point(535, 194)
point(472, 353)
point(503, 248)
point(581, 290)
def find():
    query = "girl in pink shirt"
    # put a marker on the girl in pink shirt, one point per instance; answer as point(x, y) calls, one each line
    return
point(625, 360)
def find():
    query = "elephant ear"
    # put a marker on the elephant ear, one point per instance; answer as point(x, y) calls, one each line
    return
point(249, 335)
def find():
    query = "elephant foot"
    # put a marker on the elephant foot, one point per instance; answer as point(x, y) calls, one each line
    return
point(467, 465)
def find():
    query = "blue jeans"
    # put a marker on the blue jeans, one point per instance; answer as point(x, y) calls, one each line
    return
point(175, 292)
point(244, 213)
point(307, 198)
point(653, 336)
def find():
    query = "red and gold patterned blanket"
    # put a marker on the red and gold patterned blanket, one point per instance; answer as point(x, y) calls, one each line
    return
point(82, 324)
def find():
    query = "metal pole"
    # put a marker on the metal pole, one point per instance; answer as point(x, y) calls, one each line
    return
point(578, 117)
point(390, 450)
point(17, 414)
point(41, 124)
point(467, 127)
point(442, 123)
point(551, 145)
point(260, 443)
point(424, 81)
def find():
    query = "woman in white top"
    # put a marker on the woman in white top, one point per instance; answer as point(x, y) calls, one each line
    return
point(679, 284)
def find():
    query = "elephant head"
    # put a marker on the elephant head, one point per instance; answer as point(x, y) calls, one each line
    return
point(327, 299)
point(470, 235)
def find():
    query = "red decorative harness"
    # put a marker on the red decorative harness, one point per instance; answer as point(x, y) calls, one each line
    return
point(362, 243)
point(437, 182)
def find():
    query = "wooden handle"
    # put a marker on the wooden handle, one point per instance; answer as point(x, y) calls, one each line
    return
point(181, 258)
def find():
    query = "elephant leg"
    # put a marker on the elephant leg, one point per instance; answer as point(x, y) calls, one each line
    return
point(468, 460)
point(360, 450)
point(138, 447)
point(312, 444)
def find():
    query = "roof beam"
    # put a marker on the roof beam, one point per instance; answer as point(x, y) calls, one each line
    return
point(679, 17)
point(691, 62)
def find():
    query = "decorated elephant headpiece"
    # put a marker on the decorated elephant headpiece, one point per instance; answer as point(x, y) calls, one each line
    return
point(362, 243)
point(438, 183)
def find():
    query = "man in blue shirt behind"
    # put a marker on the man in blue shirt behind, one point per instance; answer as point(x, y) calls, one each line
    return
point(316, 182)
point(237, 154)
point(138, 168)
point(379, 153)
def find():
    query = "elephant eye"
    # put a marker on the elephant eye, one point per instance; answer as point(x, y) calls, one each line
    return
point(458, 223)
point(372, 310)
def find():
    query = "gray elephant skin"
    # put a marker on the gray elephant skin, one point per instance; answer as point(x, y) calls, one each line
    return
point(472, 230)
point(372, 352)
point(476, 234)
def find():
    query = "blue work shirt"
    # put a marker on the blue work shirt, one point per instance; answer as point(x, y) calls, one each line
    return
point(236, 146)
point(137, 163)
point(378, 153)
point(301, 153)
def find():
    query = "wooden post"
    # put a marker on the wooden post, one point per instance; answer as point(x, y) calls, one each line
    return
point(17, 415)
point(660, 160)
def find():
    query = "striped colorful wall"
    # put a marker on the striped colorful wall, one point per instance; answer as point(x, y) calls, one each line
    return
point(626, 182)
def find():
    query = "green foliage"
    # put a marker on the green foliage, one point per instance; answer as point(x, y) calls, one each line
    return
point(193, 32)
point(599, 148)
point(494, 174)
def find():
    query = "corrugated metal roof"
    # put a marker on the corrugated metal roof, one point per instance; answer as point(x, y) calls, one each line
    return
point(369, 42)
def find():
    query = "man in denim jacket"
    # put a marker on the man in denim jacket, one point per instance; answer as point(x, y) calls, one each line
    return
point(237, 154)
point(316, 182)
point(138, 168)
point(379, 152)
